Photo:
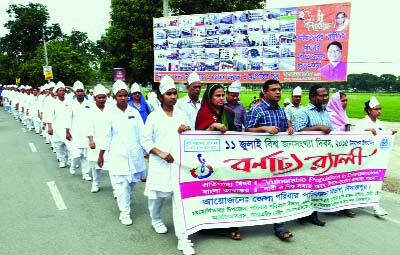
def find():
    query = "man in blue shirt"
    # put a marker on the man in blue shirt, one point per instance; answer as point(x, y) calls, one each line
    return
point(314, 117)
point(269, 117)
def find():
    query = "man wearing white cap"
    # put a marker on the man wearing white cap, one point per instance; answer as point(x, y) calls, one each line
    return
point(98, 117)
point(233, 101)
point(293, 108)
point(159, 139)
point(77, 130)
point(47, 108)
point(35, 108)
point(190, 103)
point(57, 121)
point(126, 161)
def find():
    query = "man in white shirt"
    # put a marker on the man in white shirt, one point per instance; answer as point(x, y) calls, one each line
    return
point(190, 103)
point(77, 131)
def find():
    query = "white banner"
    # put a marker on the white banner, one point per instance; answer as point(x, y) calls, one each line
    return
point(244, 179)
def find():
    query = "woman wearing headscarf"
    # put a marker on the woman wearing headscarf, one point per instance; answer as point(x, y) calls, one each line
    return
point(125, 159)
point(336, 109)
point(213, 115)
point(137, 101)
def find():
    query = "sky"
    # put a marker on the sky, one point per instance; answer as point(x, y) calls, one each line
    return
point(373, 39)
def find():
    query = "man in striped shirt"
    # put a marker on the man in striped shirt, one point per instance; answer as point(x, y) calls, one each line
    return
point(314, 117)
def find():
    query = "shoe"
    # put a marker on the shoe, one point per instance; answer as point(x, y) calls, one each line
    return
point(349, 213)
point(86, 177)
point(71, 171)
point(125, 220)
point(316, 221)
point(62, 165)
point(380, 212)
point(47, 141)
point(95, 188)
point(284, 235)
point(186, 246)
point(160, 227)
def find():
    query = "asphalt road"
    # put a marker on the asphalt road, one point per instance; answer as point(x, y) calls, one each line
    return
point(87, 223)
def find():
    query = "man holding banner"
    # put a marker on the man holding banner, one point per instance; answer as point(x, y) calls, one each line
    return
point(269, 117)
point(314, 117)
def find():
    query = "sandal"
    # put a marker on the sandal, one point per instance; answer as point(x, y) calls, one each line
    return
point(230, 234)
point(284, 235)
point(349, 213)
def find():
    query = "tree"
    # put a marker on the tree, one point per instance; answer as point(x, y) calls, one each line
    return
point(181, 7)
point(26, 29)
point(128, 42)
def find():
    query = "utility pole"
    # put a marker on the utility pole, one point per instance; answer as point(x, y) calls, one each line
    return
point(45, 48)
point(165, 8)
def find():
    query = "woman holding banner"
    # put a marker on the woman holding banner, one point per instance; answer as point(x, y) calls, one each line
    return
point(214, 116)
point(336, 109)
point(371, 123)
point(159, 138)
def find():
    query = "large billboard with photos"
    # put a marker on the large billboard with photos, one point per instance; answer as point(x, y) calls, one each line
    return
point(307, 43)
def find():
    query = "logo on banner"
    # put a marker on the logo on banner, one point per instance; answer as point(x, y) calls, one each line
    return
point(202, 171)
point(385, 143)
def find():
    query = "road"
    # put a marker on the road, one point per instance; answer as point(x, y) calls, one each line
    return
point(87, 223)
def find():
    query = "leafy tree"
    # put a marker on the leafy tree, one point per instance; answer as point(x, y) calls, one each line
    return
point(26, 28)
point(180, 7)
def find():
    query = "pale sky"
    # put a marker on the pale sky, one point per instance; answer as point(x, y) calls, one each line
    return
point(373, 27)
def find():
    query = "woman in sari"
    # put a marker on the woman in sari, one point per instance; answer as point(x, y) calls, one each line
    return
point(212, 116)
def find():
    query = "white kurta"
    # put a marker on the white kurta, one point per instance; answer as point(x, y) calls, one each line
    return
point(78, 123)
point(367, 123)
point(58, 117)
point(98, 121)
point(161, 132)
point(123, 142)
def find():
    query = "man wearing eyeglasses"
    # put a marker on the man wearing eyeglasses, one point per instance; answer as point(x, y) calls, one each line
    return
point(336, 69)
point(314, 117)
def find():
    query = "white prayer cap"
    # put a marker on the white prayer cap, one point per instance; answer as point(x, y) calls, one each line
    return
point(99, 90)
point(235, 86)
point(135, 88)
point(107, 91)
point(286, 101)
point(78, 85)
point(59, 85)
point(373, 102)
point(166, 83)
point(193, 77)
point(51, 85)
point(28, 87)
point(119, 85)
point(297, 91)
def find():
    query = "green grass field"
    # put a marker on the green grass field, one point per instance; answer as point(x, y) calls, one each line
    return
point(355, 108)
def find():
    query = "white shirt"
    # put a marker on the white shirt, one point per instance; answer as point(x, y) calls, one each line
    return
point(367, 123)
point(126, 155)
point(161, 132)
point(185, 104)
point(57, 116)
point(78, 115)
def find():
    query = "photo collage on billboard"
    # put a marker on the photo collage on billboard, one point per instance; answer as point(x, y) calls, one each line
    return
point(252, 43)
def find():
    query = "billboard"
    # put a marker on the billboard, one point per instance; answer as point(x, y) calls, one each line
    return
point(119, 74)
point(295, 44)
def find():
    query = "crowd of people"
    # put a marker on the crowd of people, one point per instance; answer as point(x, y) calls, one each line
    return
point(137, 139)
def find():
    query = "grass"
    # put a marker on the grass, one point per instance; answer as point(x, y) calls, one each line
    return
point(355, 107)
